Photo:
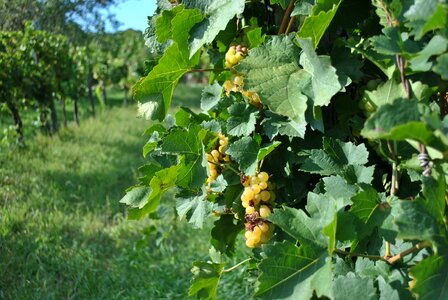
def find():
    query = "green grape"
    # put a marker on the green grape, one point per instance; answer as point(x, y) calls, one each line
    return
point(265, 196)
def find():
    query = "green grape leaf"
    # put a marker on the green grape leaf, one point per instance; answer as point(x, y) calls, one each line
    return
point(288, 91)
point(335, 156)
point(267, 149)
point(255, 37)
point(243, 118)
point(245, 153)
point(441, 66)
point(205, 280)
point(352, 286)
point(365, 203)
point(281, 92)
point(163, 23)
point(218, 13)
point(302, 8)
point(434, 187)
point(339, 190)
point(426, 15)
point(156, 89)
point(420, 61)
point(348, 67)
point(317, 23)
point(188, 144)
point(324, 81)
point(291, 272)
point(219, 184)
point(193, 207)
point(137, 196)
point(414, 221)
point(431, 278)
point(162, 181)
point(211, 96)
point(385, 93)
point(224, 233)
point(274, 125)
point(389, 117)
point(297, 224)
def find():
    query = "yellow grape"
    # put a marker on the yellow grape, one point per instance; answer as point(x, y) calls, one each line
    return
point(265, 196)
point(263, 185)
point(264, 211)
point(256, 188)
point(233, 60)
point(256, 232)
point(264, 227)
point(248, 235)
point(250, 194)
point(215, 154)
point(222, 149)
point(226, 158)
point(263, 176)
point(213, 173)
point(245, 203)
point(245, 197)
point(239, 56)
point(255, 239)
point(250, 243)
point(250, 210)
point(238, 80)
point(254, 180)
point(228, 85)
point(209, 157)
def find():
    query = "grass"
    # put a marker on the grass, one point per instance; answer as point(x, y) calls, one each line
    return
point(63, 234)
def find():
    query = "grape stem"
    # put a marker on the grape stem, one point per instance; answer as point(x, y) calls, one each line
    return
point(236, 266)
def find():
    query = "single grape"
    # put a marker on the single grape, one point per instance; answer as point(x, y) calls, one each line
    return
point(256, 188)
point(250, 210)
point(257, 199)
point(249, 193)
point(250, 243)
point(254, 180)
point(213, 173)
point(222, 149)
point(256, 231)
point(264, 227)
point(263, 176)
point(265, 196)
point(248, 235)
point(215, 154)
point(263, 185)
point(238, 80)
point(264, 211)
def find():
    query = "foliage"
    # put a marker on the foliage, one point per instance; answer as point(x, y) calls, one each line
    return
point(351, 126)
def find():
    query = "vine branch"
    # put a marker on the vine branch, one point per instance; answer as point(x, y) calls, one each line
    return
point(285, 19)
point(391, 260)
point(236, 266)
point(416, 248)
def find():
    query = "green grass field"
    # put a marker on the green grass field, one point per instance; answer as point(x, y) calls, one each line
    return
point(63, 234)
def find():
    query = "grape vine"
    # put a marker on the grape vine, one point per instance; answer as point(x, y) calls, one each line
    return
point(322, 138)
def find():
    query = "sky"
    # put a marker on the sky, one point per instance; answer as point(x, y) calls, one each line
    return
point(132, 14)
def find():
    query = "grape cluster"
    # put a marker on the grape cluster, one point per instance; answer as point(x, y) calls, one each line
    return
point(257, 198)
point(234, 55)
point(216, 157)
point(237, 84)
